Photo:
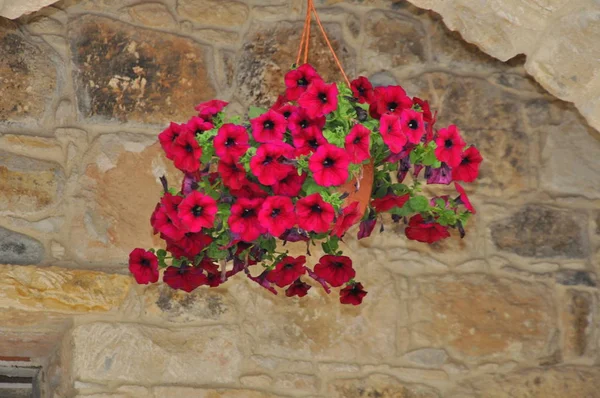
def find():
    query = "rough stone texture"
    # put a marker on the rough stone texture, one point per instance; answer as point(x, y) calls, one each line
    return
point(509, 318)
point(16, 248)
point(15, 8)
point(28, 185)
point(222, 12)
point(27, 77)
point(537, 231)
point(270, 49)
point(176, 356)
point(561, 59)
point(381, 386)
point(123, 74)
point(577, 319)
point(558, 382)
point(183, 392)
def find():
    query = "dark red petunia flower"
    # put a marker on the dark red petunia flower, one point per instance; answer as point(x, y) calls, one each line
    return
point(290, 185)
point(168, 137)
point(232, 172)
point(389, 202)
point(348, 218)
point(299, 121)
point(197, 211)
point(249, 190)
point(362, 90)
point(412, 125)
point(262, 280)
point(286, 110)
point(186, 152)
point(319, 99)
point(198, 125)
point(367, 225)
point(270, 126)
point(244, 219)
point(392, 100)
point(352, 294)
point(468, 168)
point(298, 288)
point(298, 80)
point(336, 270)
point(403, 168)
point(425, 231)
point(317, 278)
point(153, 218)
point(357, 143)
point(314, 214)
point(391, 132)
point(449, 146)
point(463, 198)
point(144, 266)
point(308, 140)
point(170, 204)
point(190, 245)
point(166, 219)
point(207, 110)
point(441, 175)
point(267, 164)
point(277, 214)
point(423, 106)
point(295, 235)
point(287, 271)
point(184, 278)
point(231, 140)
point(329, 165)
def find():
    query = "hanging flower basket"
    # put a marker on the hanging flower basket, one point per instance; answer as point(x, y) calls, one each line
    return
point(323, 158)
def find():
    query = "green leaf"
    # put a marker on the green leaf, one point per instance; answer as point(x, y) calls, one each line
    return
point(161, 253)
point(254, 112)
point(418, 203)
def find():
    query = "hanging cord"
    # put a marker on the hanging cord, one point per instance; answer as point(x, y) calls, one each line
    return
point(310, 7)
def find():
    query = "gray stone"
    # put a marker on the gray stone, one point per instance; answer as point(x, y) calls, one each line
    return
point(574, 277)
point(16, 248)
point(538, 231)
point(427, 357)
point(383, 79)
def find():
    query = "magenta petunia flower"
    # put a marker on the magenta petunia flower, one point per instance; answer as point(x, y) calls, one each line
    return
point(186, 152)
point(314, 214)
point(412, 125)
point(197, 211)
point(270, 126)
point(244, 219)
point(207, 110)
point(198, 125)
point(468, 168)
point(441, 175)
point(277, 215)
point(232, 172)
point(184, 278)
point(336, 270)
point(449, 146)
point(298, 288)
point(298, 80)
point(290, 185)
point(319, 99)
point(144, 266)
point(391, 132)
point(425, 231)
point(168, 137)
point(287, 271)
point(308, 140)
point(362, 90)
point(392, 100)
point(299, 121)
point(463, 198)
point(268, 164)
point(231, 140)
point(389, 201)
point(347, 219)
point(329, 165)
point(357, 143)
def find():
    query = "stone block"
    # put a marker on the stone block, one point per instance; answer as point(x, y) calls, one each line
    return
point(222, 12)
point(379, 385)
point(16, 248)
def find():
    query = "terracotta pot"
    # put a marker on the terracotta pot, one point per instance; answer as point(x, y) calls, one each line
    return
point(362, 195)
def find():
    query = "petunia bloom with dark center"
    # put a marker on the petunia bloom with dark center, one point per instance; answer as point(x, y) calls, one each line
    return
point(231, 140)
point(144, 266)
point(244, 219)
point(197, 211)
point(449, 146)
point(314, 214)
point(319, 99)
point(352, 294)
point(336, 270)
point(468, 168)
point(298, 80)
point(287, 271)
point(270, 126)
point(277, 215)
point(329, 165)
point(357, 143)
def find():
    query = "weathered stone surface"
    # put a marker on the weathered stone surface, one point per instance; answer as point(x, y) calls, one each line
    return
point(185, 392)
point(136, 74)
point(538, 231)
point(16, 248)
point(27, 76)
point(152, 14)
point(481, 317)
point(570, 158)
point(154, 355)
point(558, 382)
point(200, 306)
point(577, 320)
point(61, 290)
point(270, 50)
point(318, 327)
point(573, 277)
point(395, 40)
point(28, 185)
point(222, 12)
point(378, 385)
point(118, 191)
point(15, 8)
point(427, 357)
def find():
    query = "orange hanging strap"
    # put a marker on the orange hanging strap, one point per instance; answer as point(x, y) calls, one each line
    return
point(305, 35)
point(337, 61)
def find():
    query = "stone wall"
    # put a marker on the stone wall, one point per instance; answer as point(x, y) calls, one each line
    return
point(511, 310)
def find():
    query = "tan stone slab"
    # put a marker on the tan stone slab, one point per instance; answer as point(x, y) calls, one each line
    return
point(60, 290)
point(15, 8)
